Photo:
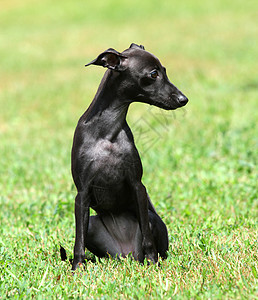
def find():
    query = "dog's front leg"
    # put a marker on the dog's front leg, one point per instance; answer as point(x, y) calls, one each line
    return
point(81, 222)
point(142, 201)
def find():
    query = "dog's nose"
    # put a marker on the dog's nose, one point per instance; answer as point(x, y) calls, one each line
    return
point(182, 100)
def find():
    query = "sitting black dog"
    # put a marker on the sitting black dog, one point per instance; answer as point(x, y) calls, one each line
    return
point(106, 165)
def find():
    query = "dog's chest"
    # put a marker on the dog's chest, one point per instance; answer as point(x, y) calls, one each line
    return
point(112, 166)
point(112, 161)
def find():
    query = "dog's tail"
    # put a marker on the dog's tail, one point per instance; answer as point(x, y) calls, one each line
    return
point(63, 253)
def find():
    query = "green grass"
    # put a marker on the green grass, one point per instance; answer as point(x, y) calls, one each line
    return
point(199, 162)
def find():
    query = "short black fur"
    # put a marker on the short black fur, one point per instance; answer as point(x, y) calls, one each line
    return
point(106, 165)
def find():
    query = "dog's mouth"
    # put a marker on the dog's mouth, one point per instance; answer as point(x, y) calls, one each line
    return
point(162, 105)
point(172, 102)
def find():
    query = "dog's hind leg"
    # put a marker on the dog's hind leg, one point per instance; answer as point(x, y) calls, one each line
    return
point(160, 234)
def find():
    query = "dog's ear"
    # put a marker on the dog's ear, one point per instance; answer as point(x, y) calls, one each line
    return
point(110, 59)
point(133, 45)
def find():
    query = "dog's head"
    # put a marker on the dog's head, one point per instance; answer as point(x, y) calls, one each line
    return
point(142, 77)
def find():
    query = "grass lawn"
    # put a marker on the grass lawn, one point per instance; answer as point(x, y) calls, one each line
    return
point(199, 162)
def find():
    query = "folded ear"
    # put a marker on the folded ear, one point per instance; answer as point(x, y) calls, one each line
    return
point(133, 45)
point(111, 59)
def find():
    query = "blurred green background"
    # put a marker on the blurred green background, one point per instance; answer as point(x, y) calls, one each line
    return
point(199, 162)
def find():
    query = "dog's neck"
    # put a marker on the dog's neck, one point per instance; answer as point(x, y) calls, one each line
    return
point(108, 111)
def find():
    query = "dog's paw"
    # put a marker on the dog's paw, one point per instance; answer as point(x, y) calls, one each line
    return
point(151, 257)
point(78, 265)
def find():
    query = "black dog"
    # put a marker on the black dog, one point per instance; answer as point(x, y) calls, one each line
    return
point(106, 165)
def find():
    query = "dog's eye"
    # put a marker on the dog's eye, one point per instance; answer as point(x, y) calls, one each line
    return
point(154, 74)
